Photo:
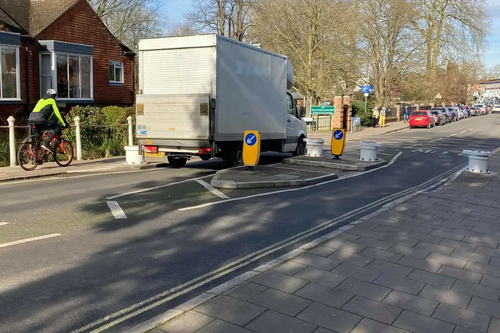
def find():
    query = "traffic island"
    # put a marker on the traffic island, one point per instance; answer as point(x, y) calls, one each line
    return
point(265, 176)
point(349, 163)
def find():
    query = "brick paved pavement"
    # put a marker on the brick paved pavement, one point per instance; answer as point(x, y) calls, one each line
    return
point(430, 264)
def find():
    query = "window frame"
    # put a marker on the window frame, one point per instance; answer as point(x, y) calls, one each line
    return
point(53, 69)
point(122, 66)
point(18, 75)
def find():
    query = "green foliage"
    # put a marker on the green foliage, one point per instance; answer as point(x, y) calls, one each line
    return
point(4, 152)
point(358, 109)
point(104, 131)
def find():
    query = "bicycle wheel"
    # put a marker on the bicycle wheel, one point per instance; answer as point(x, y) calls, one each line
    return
point(27, 156)
point(63, 153)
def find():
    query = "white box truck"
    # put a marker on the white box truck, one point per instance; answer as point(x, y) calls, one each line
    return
point(198, 94)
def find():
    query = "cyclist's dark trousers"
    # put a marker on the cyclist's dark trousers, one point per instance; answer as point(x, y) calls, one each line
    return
point(56, 129)
point(47, 125)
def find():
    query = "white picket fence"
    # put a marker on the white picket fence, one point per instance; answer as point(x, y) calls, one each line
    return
point(12, 138)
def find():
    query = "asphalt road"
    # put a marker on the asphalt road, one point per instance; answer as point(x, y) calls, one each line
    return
point(94, 272)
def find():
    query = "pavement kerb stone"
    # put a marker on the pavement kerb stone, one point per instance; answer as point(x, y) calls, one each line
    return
point(124, 167)
point(336, 165)
point(215, 182)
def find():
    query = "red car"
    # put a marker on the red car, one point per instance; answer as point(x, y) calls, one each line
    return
point(422, 118)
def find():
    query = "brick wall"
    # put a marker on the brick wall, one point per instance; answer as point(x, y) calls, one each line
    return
point(339, 102)
point(81, 25)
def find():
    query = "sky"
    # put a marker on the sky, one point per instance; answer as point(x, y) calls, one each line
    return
point(175, 11)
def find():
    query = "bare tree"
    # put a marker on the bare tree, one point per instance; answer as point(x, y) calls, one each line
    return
point(449, 27)
point(316, 36)
point(225, 17)
point(388, 44)
point(181, 29)
point(130, 20)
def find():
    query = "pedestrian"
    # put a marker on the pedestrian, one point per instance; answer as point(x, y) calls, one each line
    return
point(406, 114)
point(382, 117)
point(375, 115)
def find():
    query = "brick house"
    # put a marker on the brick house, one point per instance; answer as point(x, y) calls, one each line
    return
point(60, 44)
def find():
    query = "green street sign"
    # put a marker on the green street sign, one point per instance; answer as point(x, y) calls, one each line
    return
point(322, 109)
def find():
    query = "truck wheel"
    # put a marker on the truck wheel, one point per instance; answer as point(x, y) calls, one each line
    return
point(235, 157)
point(301, 147)
point(177, 162)
point(205, 157)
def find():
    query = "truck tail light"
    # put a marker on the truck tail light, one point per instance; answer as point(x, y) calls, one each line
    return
point(151, 149)
point(204, 151)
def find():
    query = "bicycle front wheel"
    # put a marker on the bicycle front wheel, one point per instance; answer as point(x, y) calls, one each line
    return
point(27, 156)
point(63, 153)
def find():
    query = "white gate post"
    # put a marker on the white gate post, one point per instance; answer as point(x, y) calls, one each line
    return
point(78, 139)
point(12, 141)
point(130, 133)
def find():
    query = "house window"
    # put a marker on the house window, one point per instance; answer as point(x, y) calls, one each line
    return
point(9, 67)
point(70, 75)
point(115, 72)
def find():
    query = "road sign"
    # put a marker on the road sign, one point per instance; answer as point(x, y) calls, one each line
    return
point(338, 141)
point(251, 148)
point(322, 109)
point(367, 89)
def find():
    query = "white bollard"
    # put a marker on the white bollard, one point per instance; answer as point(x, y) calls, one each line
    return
point(368, 151)
point(78, 139)
point(314, 147)
point(130, 132)
point(478, 160)
point(12, 141)
point(132, 155)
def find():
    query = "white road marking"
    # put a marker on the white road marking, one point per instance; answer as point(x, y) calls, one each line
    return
point(195, 283)
point(155, 188)
point(3, 223)
point(293, 189)
point(436, 140)
point(212, 189)
point(116, 210)
point(427, 151)
point(443, 153)
point(27, 240)
point(463, 132)
point(418, 144)
point(449, 136)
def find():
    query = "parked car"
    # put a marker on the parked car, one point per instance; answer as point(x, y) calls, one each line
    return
point(496, 108)
point(453, 112)
point(480, 108)
point(422, 118)
point(474, 111)
point(439, 117)
point(446, 114)
point(460, 113)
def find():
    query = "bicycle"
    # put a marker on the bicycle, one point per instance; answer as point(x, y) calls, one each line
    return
point(33, 153)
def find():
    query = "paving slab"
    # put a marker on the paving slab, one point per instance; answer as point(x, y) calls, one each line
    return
point(104, 165)
point(422, 268)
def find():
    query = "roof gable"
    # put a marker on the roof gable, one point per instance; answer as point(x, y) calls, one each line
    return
point(44, 12)
point(33, 16)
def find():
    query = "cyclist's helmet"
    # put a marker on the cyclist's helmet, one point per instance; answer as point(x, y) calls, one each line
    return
point(52, 93)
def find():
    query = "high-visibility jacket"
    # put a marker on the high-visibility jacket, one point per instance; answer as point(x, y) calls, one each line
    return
point(46, 109)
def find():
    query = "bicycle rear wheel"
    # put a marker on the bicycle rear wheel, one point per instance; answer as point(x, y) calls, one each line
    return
point(27, 156)
point(63, 153)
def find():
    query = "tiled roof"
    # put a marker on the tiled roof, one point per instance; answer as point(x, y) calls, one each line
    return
point(44, 12)
point(7, 24)
point(34, 16)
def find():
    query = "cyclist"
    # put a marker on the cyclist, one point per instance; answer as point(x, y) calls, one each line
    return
point(46, 116)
